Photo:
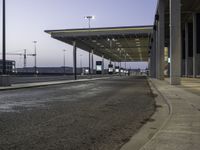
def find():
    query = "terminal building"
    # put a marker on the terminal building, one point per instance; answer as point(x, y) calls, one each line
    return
point(10, 66)
point(176, 33)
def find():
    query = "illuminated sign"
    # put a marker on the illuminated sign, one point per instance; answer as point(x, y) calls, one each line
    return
point(110, 68)
point(99, 68)
point(116, 69)
point(169, 60)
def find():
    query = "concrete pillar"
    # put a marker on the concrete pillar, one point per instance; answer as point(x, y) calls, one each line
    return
point(194, 45)
point(75, 63)
point(157, 53)
point(102, 64)
point(161, 40)
point(89, 62)
point(120, 67)
point(198, 45)
point(186, 49)
point(151, 59)
point(153, 51)
point(175, 41)
point(149, 66)
point(92, 63)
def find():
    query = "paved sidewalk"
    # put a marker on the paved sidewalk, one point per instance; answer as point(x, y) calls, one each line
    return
point(40, 84)
point(189, 84)
point(181, 131)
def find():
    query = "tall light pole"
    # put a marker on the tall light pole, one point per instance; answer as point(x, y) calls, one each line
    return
point(89, 20)
point(4, 39)
point(35, 54)
point(64, 52)
point(89, 26)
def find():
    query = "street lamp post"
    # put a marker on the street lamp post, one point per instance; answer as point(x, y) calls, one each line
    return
point(64, 51)
point(4, 79)
point(89, 20)
point(89, 26)
point(4, 39)
point(35, 54)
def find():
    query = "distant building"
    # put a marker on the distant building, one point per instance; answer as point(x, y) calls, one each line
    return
point(10, 66)
point(48, 70)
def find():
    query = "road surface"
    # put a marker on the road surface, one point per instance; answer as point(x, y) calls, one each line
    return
point(94, 115)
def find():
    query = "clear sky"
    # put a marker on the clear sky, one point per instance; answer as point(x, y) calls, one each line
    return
point(27, 20)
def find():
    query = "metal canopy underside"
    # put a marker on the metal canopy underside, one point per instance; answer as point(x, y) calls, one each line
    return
point(115, 43)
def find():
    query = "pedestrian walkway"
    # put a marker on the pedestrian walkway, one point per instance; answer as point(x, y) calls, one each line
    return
point(181, 130)
point(191, 84)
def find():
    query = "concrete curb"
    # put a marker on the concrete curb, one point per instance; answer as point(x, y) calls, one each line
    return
point(149, 131)
point(42, 84)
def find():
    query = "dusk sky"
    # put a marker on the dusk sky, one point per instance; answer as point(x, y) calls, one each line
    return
point(27, 20)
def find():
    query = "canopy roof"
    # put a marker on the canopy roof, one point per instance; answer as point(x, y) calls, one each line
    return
point(130, 43)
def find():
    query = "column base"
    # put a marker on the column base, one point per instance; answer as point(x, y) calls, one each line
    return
point(5, 80)
point(175, 80)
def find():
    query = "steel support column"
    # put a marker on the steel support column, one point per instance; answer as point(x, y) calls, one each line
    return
point(151, 61)
point(175, 41)
point(92, 65)
point(75, 63)
point(89, 62)
point(102, 64)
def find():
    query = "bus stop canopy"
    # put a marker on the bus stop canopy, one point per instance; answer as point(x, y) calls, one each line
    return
point(130, 43)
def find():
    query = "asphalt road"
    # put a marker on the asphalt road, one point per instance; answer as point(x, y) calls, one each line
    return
point(95, 115)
